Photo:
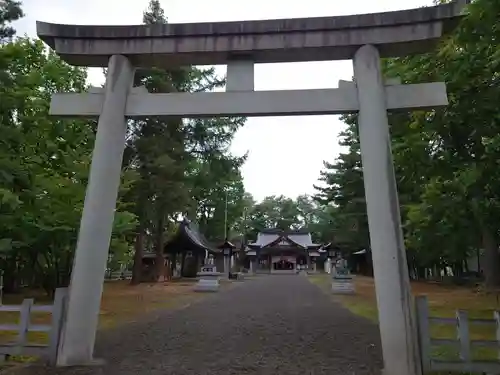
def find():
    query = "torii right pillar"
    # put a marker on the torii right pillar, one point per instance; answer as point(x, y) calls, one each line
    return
point(397, 320)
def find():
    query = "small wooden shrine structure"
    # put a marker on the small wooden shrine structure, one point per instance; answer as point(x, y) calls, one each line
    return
point(188, 250)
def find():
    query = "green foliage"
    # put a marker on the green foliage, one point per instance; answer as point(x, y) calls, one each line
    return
point(446, 160)
point(286, 213)
point(183, 167)
point(171, 167)
point(43, 165)
point(342, 192)
point(10, 10)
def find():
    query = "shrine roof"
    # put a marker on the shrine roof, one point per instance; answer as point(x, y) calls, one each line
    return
point(285, 231)
point(236, 241)
point(189, 231)
point(276, 237)
point(329, 246)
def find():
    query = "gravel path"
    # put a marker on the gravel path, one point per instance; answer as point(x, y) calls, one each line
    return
point(268, 325)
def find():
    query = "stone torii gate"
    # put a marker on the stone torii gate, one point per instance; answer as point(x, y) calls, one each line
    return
point(240, 45)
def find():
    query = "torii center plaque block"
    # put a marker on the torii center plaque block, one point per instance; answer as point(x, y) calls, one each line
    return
point(240, 45)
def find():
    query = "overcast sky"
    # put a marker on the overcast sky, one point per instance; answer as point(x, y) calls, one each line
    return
point(285, 154)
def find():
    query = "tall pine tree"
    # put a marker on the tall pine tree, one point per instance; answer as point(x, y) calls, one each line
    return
point(181, 163)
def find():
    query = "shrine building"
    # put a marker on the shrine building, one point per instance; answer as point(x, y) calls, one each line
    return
point(283, 251)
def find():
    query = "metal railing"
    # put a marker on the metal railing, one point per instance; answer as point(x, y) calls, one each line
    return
point(463, 343)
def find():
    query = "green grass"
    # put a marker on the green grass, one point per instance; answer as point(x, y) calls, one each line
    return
point(443, 302)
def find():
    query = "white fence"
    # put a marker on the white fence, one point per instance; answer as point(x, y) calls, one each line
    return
point(462, 343)
point(21, 345)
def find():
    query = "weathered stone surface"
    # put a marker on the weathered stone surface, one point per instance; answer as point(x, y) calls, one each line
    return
point(284, 40)
point(208, 279)
point(250, 103)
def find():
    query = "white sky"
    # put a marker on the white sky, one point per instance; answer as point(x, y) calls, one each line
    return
point(285, 154)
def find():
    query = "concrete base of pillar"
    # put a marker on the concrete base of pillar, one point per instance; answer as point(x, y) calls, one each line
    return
point(92, 363)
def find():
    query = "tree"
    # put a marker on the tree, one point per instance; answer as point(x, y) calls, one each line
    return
point(43, 168)
point(342, 187)
point(284, 213)
point(181, 164)
point(445, 159)
point(43, 164)
point(156, 150)
point(10, 11)
point(275, 212)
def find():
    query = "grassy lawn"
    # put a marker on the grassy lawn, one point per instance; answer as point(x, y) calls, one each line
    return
point(121, 304)
point(443, 302)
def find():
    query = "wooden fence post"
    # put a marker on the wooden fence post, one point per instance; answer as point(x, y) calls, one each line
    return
point(1, 287)
point(463, 335)
point(496, 316)
point(24, 324)
point(424, 333)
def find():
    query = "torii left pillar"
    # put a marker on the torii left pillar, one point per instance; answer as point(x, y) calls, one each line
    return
point(82, 314)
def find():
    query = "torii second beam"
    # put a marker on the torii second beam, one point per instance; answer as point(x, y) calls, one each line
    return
point(250, 103)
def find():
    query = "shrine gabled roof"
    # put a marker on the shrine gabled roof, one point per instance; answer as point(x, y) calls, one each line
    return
point(281, 240)
point(285, 231)
point(225, 244)
point(270, 237)
point(193, 232)
point(329, 246)
point(190, 231)
point(264, 239)
point(237, 241)
point(302, 240)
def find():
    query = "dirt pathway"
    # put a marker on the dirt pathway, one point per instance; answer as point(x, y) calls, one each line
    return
point(269, 325)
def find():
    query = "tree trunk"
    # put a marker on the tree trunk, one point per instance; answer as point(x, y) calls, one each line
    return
point(492, 259)
point(159, 259)
point(183, 262)
point(457, 269)
point(168, 270)
point(465, 266)
point(11, 282)
point(173, 264)
point(138, 255)
point(422, 275)
point(66, 270)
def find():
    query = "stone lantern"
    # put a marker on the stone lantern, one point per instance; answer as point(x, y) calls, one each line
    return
point(227, 250)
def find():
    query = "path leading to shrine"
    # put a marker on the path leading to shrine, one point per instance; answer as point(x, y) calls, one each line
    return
point(279, 325)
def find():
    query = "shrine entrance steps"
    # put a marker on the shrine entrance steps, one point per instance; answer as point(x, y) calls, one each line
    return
point(279, 325)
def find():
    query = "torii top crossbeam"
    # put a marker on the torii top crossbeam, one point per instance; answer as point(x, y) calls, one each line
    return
point(398, 33)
